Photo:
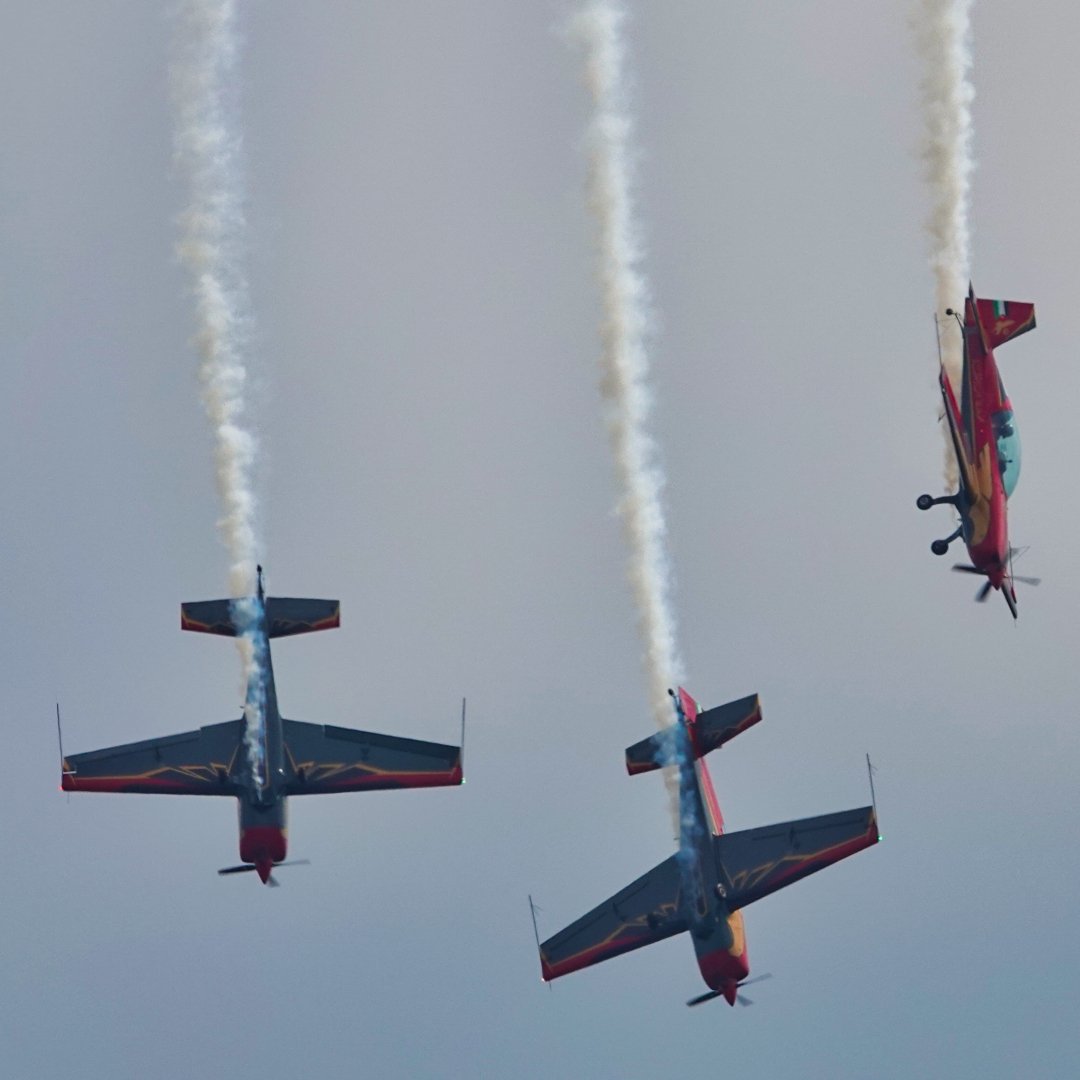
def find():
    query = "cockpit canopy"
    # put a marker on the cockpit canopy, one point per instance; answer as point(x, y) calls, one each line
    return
point(1008, 448)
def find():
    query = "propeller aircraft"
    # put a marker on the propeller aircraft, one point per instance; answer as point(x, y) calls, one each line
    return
point(262, 758)
point(704, 886)
point(987, 445)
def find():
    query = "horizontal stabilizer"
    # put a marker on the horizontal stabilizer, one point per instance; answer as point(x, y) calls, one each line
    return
point(285, 616)
point(324, 759)
point(757, 862)
point(1002, 320)
point(192, 763)
point(647, 910)
point(708, 731)
point(208, 617)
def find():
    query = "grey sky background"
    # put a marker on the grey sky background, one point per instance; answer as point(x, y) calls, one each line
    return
point(425, 347)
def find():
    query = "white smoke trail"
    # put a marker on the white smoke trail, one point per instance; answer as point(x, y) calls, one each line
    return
point(624, 360)
point(943, 35)
point(207, 149)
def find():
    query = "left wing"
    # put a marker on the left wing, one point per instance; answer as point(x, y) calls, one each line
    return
point(961, 438)
point(193, 763)
point(647, 910)
point(324, 759)
point(757, 862)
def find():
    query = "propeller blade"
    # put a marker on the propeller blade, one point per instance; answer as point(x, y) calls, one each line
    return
point(1028, 580)
point(273, 882)
point(757, 978)
point(983, 593)
point(742, 999)
point(246, 868)
point(704, 997)
point(962, 568)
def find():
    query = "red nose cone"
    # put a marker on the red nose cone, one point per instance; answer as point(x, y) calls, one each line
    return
point(731, 991)
point(263, 868)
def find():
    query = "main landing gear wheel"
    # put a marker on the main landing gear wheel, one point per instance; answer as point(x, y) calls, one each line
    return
point(924, 502)
point(940, 547)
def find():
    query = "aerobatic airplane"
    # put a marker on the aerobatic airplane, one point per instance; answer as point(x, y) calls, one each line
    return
point(262, 758)
point(705, 885)
point(987, 445)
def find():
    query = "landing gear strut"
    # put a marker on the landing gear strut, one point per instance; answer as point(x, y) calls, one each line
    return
point(940, 547)
point(924, 502)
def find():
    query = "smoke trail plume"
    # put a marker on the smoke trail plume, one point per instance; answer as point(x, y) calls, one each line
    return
point(943, 36)
point(207, 149)
point(624, 360)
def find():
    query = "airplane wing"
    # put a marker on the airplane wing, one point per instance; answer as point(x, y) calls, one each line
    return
point(192, 763)
point(647, 910)
point(325, 759)
point(757, 862)
point(960, 436)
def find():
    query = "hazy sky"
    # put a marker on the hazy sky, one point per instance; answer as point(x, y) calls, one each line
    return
point(425, 351)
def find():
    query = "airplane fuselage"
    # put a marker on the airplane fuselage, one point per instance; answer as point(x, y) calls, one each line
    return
point(983, 502)
point(260, 775)
point(718, 933)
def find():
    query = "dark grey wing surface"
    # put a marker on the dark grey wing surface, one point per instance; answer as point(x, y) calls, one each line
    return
point(288, 615)
point(647, 910)
point(757, 862)
point(325, 759)
point(208, 617)
point(285, 616)
point(719, 725)
point(193, 763)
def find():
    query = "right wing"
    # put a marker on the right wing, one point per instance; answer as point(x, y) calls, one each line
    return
point(647, 910)
point(757, 862)
point(325, 759)
point(193, 763)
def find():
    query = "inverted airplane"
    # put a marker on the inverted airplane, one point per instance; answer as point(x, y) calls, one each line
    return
point(987, 445)
point(262, 758)
point(704, 886)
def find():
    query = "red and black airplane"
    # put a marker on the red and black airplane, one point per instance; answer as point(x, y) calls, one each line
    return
point(262, 758)
point(987, 445)
point(705, 885)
